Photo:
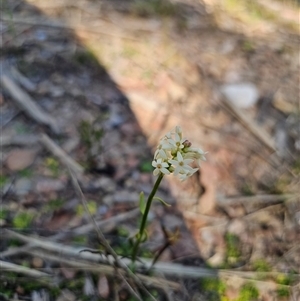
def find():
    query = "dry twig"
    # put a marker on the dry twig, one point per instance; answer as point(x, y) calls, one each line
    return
point(19, 140)
point(160, 268)
point(251, 126)
point(8, 266)
point(105, 225)
point(60, 154)
point(24, 81)
point(106, 269)
point(266, 199)
point(27, 104)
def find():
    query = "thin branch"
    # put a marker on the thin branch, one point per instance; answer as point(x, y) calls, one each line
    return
point(164, 268)
point(8, 266)
point(105, 225)
point(251, 126)
point(105, 269)
point(61, 154)
point(108, 224)
point(263, 199)
point(23, 80)
point(27, 104)
point(17, 250)
point(19, 140)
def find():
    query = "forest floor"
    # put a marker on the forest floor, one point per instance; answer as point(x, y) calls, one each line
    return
point(91, 87)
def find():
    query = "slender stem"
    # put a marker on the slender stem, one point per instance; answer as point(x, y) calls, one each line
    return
point(145, 216)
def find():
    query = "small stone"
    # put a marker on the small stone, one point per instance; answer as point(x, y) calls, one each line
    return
point(241, 95)
point(37, 262)
point(48, 185)
point(22, 186)
point(57, 91)
point(19, 159)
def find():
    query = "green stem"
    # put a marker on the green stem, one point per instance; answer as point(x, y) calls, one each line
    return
point(145, 216)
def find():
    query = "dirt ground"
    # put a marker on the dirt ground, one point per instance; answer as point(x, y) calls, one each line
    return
point(91, 87)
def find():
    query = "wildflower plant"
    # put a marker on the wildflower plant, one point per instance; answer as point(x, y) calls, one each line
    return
point(174, 155)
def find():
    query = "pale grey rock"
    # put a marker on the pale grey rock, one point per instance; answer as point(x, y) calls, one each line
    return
point(48, 185)
point(22, 186)
point(241, 95)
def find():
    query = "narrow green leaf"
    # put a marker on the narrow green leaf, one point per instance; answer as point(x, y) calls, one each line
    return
point(161, 200)
point(142, 203)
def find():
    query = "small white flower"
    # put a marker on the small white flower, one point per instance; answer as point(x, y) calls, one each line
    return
point(177, 143)
point(161, 154)
point(178, 130)
point(160, 167)
point(164, 142)
point(184, 176)
point(181, 165)
point(194, 153)
point(174, 154)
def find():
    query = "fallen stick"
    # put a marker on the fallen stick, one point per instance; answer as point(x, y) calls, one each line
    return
point(19, 140)
point(27, 104)
point(264, 199)
point(8, 266)
point(24, 81)
point(61, 154)
point(251, 126)
point(164, 268)
point(106, 269)
point(167, 269)
point(106, 225)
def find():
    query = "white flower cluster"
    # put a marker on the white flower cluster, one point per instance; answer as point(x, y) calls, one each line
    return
point(174, 154)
